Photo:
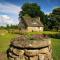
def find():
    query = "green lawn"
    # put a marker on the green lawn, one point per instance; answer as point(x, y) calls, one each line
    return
point(5, 41)
point(56, 48)
point(45, 32)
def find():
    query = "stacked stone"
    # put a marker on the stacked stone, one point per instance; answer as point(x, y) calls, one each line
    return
point(23, 49)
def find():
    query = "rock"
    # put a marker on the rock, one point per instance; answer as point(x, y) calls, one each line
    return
point(31, 52)
point(17, 58)
point(12, 55)
point(26, 58)
point(10, 58)
point(21, 52)
point(41, 57)
point(44, 51)
point(11, 48)
point(16, 51)
point(49, 56)
point(22, 57)
point(21, 48)
point(34, 58)
point(23, 42)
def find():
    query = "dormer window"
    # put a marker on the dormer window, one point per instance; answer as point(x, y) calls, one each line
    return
point(34, 23)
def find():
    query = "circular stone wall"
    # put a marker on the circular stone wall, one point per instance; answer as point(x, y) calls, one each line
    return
point(21, 48)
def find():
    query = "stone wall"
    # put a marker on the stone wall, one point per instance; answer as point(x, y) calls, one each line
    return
point(30, 29)
point(37, 50)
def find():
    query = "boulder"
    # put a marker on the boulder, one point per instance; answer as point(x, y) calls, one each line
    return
point(33, 58)
point(23, 42)
point(31, 52)
point(22, 48)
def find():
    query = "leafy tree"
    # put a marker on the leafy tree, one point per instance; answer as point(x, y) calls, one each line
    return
point(31, 9)
point(56, 11)
point(46, 22)
point(14, 26)
point(55, 18)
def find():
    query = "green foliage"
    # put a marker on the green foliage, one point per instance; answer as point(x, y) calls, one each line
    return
point(52, 21)
point(12, 27)
point(56, 11)
point(31, 9)
point(55, 19)
point(9, 27)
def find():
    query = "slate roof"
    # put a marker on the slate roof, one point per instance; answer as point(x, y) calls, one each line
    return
point(32, 22)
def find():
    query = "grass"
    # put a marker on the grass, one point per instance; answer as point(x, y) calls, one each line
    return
point(45, 32)
point(5, 41)
point(56, 48)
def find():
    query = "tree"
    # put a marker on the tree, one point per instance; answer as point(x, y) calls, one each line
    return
point(56, 11)
point(55, 18)
point(31, 9)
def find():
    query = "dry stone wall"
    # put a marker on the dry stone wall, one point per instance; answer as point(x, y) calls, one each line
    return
point(22, 49)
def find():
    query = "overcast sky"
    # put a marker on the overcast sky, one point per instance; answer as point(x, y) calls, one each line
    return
point(9, 9)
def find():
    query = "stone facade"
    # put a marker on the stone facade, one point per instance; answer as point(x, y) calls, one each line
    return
point(21, 49)
point(38, 29)
point(31, 24)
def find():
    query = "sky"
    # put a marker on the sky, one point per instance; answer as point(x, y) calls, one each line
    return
point(9, 9)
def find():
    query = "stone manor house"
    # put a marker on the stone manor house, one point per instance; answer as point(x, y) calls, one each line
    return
point(31, 24)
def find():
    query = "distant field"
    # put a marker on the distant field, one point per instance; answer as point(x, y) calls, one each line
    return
point(6, 38)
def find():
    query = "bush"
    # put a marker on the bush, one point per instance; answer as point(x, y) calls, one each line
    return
point(54, 35)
